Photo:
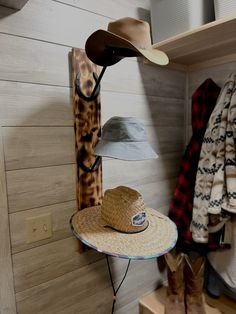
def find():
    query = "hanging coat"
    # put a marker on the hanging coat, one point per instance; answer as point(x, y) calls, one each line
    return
point(215, 188)
point(203, 103)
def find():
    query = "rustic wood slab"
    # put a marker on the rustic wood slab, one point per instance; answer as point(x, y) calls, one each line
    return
point(87, 130)
point(87, 127)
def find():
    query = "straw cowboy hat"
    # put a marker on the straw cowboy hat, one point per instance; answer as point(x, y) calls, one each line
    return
point(123, 226)
point(126, 37)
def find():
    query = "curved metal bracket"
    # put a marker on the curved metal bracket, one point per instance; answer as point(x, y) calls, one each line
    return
point(92, 168)
point(94, 93)
point(96, 89)
point(81, 164)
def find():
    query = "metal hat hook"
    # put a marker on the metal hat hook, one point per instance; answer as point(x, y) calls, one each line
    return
point(80, 161)
point(96, 89)
point(110, 52)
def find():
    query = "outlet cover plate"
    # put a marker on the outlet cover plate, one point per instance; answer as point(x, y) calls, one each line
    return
point(38, 228)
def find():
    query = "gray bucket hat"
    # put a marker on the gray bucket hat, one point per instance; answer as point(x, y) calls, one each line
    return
point(124, 138)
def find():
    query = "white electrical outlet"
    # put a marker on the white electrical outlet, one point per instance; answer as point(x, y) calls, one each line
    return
point(38, 228)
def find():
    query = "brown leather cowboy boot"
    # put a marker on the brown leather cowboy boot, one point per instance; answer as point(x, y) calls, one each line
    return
point(175, 291)
point(194, 279)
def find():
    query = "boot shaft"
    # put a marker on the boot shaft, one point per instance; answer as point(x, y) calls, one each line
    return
point(175, 275)
point(194, 275)
point(194, 280)
point(175, 291)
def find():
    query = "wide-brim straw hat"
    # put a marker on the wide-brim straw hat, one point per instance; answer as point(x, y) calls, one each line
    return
point(107, 227)
point(128, 37)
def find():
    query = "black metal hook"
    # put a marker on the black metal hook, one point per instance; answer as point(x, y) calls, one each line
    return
point(96, 89)
point(81, 164)
point(92, 168)
point(109, 53)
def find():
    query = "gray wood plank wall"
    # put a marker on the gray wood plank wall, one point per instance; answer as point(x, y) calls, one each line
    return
point(37, 121)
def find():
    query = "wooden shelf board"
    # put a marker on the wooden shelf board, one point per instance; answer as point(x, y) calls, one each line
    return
point(154, 303)
point(210, 41)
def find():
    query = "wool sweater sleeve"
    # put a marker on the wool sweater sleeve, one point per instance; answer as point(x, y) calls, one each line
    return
point(229, 202)
point(210, 186)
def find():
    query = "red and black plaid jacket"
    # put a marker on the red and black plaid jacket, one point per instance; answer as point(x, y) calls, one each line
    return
point(203, 103)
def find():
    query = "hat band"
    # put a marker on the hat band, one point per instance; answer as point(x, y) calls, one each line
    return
point(128, 232)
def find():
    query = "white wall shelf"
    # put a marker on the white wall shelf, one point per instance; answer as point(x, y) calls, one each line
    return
point(212, 41)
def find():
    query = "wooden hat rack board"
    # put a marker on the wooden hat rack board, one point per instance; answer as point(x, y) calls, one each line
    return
point(87, 127)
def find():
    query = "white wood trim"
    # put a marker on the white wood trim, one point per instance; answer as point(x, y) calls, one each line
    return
point(7, 294)
point(212, 62)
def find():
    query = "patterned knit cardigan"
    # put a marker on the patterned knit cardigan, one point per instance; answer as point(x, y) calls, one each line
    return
point(215, 187)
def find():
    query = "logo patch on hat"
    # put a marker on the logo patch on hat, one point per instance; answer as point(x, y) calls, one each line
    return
point(139, 219)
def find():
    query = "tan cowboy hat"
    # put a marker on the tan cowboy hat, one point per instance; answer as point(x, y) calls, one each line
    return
point(123, 226)
point(126, 37)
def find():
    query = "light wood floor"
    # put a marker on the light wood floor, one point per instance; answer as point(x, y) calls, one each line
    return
point(224, 304)
point(153, 303)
